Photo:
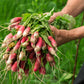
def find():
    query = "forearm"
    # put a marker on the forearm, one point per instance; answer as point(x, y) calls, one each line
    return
point(74, 7)
point(69, 35)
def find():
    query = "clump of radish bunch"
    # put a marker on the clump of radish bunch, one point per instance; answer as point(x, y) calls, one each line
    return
point(29, 45)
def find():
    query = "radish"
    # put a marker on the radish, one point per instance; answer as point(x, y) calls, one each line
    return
point(14, 67)
point(32, 54)
point(38, 45)
point(33, 45)
point(51, 50)
point(37, 64)
point(12, 56)
point(7, 50)
point(29, 48)
point(17, 27)
point(8, 62)
point(21, 56)
point(13, 25)
point(42, 71)
point(19, 76)
point(15, 37)
point(53, 42)
point(20, 31)
point(17, 46)
point(36, 34)
point(5, 56)
point(33, 39)
point(49, 58)
point(16, 19)
point(23, 39)
point(26, 31)
point(38, 53)
point(25, 44)
point(9, 36)
point(43, 45)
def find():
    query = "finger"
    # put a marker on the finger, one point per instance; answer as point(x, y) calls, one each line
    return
point(52, 18)
point(54, 30)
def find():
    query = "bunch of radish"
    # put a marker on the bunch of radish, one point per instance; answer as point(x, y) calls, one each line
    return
point(32, 41)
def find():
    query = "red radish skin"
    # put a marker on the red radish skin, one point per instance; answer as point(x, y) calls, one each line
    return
point(51, 50)
point(13, 25)
point(36, 34)
point(9, 36)
point(17, 27)
point(42, 71)
point(8, 50)
point(14, 67)
point(15, 37)
point(25, 44)
point(26, 31)
point(49, 58)
point(38, 53)
point(20, 31)
point(53, 42)
point(32, 39)
point(23, 39)
point(16, 19)
point(43, 45)
point(33, 45)
point(29, 48)
point(38, 45)
point(37, 64)
point(12, 56)
point(17, 46)
point(32, 54)
point(21, 56)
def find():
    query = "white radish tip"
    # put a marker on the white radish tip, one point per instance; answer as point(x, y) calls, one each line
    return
point(37, 48)
point(8, 62)
point(3, 45)
point(8, 67)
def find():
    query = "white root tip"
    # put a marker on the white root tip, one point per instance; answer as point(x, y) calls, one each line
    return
point(9, 62)
point(37, 48)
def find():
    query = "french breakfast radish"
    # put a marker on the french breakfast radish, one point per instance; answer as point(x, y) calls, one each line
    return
point(16, 19)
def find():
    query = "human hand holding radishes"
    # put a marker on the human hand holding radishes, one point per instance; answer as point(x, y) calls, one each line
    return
point(73, 7)
point(64, 36)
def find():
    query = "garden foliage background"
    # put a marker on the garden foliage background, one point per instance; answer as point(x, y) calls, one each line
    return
point(14, 8)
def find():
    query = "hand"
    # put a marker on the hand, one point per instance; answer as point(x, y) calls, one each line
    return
point(64, 36)
point(73, 7)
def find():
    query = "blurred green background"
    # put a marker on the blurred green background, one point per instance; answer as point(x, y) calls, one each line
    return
point(13, 8)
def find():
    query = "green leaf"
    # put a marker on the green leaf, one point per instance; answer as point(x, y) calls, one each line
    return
point(45, 38)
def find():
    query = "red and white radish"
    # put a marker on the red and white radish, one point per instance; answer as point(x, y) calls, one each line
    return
point(20, 31)
point(16, 19)
point(49, 58)
point(38, 45)
point(26, 31)
point(14, 67)
point(21, 56)
point(17, 46)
